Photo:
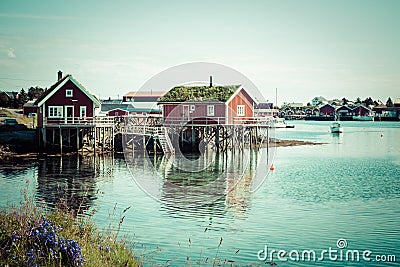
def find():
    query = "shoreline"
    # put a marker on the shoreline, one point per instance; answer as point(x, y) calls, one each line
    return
point(288, 142)
point(7, 155)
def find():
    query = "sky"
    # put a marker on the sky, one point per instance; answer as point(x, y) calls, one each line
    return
point(335, 49)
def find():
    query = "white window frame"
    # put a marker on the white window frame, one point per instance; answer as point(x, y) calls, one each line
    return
point(240, 110)
point(210, 110)
point(69, 93)
point(192, 108)
point(82, 111)
point(55, 112)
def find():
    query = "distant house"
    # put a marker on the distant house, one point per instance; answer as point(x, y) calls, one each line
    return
point(311, 111)
point(265, 110)
point(345, 111)
point(29, 108)
point(318, 101)
point(361, 111)
point(207, 105)
point(8, 99)
point(142, 96)
point(396, 103)
point(155, 112)
point(65, 102)
point(327, 110)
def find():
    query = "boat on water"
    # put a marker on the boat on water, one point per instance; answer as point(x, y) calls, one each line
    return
point(363, 118)
point(280, 123)
point(336, 127)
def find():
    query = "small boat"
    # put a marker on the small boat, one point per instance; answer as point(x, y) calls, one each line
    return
point(363, 118)
point(280, 123)
point(336, 127)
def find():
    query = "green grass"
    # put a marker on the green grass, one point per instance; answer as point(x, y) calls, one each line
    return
point(31, 236)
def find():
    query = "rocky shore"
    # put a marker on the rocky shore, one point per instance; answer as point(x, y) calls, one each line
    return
point(284, 143)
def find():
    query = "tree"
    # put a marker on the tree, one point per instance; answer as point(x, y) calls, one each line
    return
point(35, 92)
point(345, 101)
point(389, 102)
point(308, 104)
point(358, 101)
point(22, 98)
point(368, 101)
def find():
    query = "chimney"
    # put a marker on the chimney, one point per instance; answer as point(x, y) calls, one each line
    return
point(210, 81)
point(59, 75)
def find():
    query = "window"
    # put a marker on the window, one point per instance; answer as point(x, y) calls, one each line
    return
point(210, 110)
point(55, 112)
point(82, 111)
point(69, 93)
point(240, 110)
point(192, 108)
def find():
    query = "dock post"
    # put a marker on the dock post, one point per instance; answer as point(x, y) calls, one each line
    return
point(54, 138)
point(61, 138)
point(77, 139)
point(44, 137)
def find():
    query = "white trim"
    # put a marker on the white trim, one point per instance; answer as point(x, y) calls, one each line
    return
point(58, 113)
point(188, 111)
point(77, 84)
point(69, 91)
point(66, 114)
point(124, 110)
point(237, 92)
point(209, 114)
point(243, 112)
point(81, 108)
point(226, 113)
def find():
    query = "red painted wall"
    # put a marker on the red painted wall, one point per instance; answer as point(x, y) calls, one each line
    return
point(59, 99)
point(174, 112)
point(242, 98)
point(327, 110)
point(27, 110)
point(363, 111)
point(120, 112)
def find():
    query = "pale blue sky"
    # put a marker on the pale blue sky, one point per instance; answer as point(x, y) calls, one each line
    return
point(304, 48)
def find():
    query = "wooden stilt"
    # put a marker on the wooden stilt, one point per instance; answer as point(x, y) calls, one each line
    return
point(61, 140)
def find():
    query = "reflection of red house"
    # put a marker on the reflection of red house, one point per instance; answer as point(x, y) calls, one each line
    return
point(66, 102)
point(327, 110)
point(207, 105)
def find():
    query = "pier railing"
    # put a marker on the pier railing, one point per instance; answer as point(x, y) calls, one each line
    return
point(216, 120)
point(77, 121)
point(133, 121)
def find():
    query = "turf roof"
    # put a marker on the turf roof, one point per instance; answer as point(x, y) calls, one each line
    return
point(199, 93)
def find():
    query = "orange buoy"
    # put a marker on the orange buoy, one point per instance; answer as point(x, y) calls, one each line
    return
point(272, 168)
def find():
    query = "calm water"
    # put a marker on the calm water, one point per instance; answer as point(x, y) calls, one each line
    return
point(347, 188)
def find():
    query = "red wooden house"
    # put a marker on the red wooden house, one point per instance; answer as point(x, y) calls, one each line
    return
point(344, 111)
point(66, 102)
point(361, 111)
point(327, 110)
point(207, 105)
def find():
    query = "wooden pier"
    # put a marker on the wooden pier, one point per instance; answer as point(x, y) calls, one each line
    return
point(99, 134)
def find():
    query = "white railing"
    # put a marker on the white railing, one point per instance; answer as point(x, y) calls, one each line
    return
point(216, 120)
point(89, 121)
point(132, 120)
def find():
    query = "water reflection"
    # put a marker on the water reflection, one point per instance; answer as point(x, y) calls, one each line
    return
point(212, 184)
point(71, 180)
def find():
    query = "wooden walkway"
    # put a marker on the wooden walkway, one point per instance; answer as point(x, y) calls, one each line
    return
point(156, 132)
